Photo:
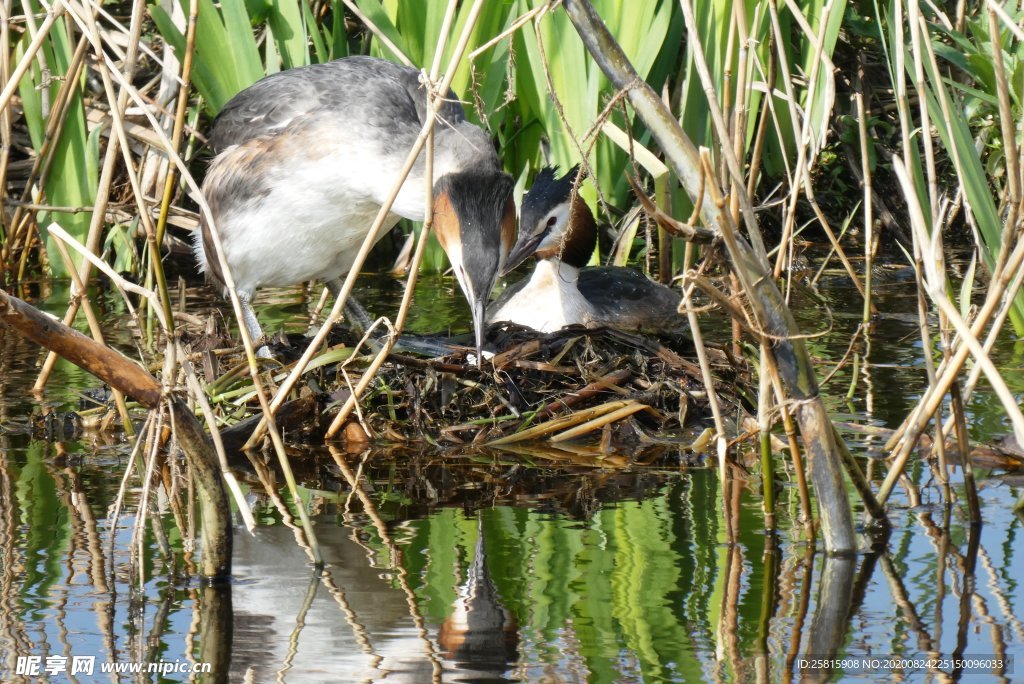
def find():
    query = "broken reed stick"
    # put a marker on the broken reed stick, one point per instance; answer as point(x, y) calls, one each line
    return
point(564, 422)
point(599, 422)
point(602, 384)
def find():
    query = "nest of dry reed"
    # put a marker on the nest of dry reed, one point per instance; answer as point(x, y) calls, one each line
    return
point(604, 391)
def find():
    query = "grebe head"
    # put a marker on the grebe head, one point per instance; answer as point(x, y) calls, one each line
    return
point(554, 222)
point(475, 222)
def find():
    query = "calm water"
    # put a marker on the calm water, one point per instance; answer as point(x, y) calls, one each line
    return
point(475, 566)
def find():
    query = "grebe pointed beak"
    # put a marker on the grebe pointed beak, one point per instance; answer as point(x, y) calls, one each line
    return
point(479, 310)
point(525, 247)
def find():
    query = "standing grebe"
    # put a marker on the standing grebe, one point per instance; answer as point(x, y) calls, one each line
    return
point(305, 159)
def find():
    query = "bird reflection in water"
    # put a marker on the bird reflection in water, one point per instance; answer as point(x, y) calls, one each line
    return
point(480, 634)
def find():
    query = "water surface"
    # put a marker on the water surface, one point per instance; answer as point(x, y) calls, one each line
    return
point(482, 566)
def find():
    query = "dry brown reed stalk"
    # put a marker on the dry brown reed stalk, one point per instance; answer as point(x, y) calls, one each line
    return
point(1005, 273)
point(868, 190)
point(935, 228)
point(22, 220)
point(355, 392)
point(731, 307)
point(91, 29)
point(52, 15)
point(739, 198)
point(739, 110)
point(180, 114)
point(769, 374)
point(129, 92)
point(218, 443)
point(122, 284)
point(612, 381)
point(597, 423)
point(1009, 291)
point(722, 133)
point(799, 468)
point(995, 308)
point(79, 292)
point(805, 161)
point(702, 356)
point(789, 215)
point(6, 128)
point(730, 148)
point(520, 21)
point(1010, 199)
point(850, 351)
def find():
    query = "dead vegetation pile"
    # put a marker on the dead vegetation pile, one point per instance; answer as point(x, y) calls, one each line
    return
point(621, 390)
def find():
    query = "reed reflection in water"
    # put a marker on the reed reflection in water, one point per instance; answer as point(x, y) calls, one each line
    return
point(605, 575)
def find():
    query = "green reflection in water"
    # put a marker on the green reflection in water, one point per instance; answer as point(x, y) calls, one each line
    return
point(45, 523)
point(638, 582)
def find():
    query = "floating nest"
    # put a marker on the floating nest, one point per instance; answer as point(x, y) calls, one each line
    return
point(603, 390)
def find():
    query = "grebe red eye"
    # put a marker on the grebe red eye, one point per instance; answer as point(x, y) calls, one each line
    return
point(552, 220)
